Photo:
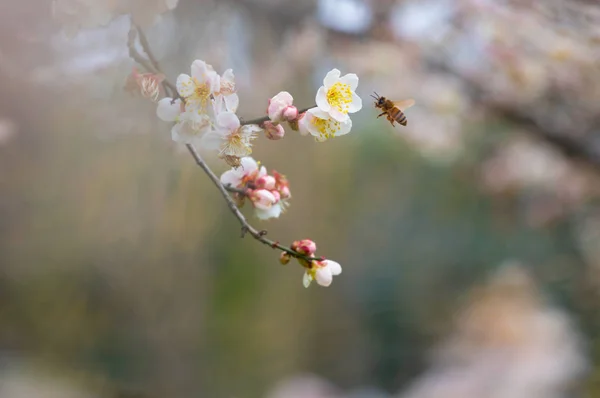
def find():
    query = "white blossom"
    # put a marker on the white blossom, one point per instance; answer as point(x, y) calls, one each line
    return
point(337, 96)
point(320, 125)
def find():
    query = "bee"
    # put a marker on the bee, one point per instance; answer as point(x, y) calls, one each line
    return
point(393, 109)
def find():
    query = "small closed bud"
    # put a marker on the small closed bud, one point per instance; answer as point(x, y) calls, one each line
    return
point(276, 195)
point(305, 246)
point(273, 131)
point(278, 104)
point(262, 199)
point(266, 182)
point(290, 113)
point(284, 258)
point(284, 193)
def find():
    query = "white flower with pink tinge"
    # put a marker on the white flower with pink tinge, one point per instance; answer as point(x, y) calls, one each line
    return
point(198, 88)
point(190, 125)
point(281, 108)
point(230, 137)
point(337, 96)
point(249, 170)
point(227, 92)
point(321, 271)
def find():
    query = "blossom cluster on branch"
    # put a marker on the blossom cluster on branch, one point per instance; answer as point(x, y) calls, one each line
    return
point(202, 108)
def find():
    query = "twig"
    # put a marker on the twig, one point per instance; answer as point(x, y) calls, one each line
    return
point(261, 120)
point(148, 65)
point(168, 86)
point(246, 227)
point(241, 191)
point(259, 235)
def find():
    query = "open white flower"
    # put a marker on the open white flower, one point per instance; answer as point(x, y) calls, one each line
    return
point(248, 171)
point(322, 271)
point(337, 95)
point(230, 137)
point(322, 126)
point(190, 125)
point(227, 92)
point(198, 88)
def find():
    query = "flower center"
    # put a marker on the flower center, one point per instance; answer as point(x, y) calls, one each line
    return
point(339, 96)
point(238, 144)
point(227, 88)
point(326, 127)
point(201, 93)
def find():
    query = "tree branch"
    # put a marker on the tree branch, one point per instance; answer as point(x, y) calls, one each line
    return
point(153, 66)
point(246, 227)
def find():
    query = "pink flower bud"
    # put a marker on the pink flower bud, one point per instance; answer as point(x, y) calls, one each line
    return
point(290, 113)
point(278, 104)
point(285, 193)
point(305, 246)
point(273, 131)
point(266, 182)
point(276, 195)
point(262, 199)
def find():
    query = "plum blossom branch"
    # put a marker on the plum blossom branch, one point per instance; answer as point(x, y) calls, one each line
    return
point(203, 109)
point(246, 227)
point(150, 64)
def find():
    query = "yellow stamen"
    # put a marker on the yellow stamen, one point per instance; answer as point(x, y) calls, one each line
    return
point(326, 127)
point(201, 93)
point(339, 96)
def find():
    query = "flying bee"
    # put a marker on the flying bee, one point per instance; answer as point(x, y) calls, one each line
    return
point(394, 110)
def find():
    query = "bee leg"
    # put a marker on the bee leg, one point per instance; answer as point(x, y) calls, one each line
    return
point(382, 114)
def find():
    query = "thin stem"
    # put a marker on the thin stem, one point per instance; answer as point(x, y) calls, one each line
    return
point(246, 227)
point(261, 120)
point(153, 66)
point(150, 65)
point(168, 86)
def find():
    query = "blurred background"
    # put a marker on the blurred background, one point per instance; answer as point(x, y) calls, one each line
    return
point(469, 240)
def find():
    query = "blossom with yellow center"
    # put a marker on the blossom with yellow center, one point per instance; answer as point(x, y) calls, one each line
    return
point(190, 125)
point(322, 126)
point(197, 89)
point(337, 95)
point(230, 137)
point(321, 271)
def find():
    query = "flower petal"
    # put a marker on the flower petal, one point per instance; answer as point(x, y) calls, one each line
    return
point(306, 279)
point(228, 120)
point(228, 76)
point(324, 276)
point(248, 164)
point(185, 85)
point(334, 267)
point(167, 110)
point(331, 77)
point(350, 79)
point(212, 140)
point(339, 116)
point(200, 70)
point(232, 177)
point(345, 128)
point(232, 102)
point(273, 212)
point(321, 99)
point(356, 104)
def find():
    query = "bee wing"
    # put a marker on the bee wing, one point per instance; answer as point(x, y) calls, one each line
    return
point(404, 104)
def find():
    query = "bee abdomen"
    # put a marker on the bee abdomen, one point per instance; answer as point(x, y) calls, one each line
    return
point(398, 115)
